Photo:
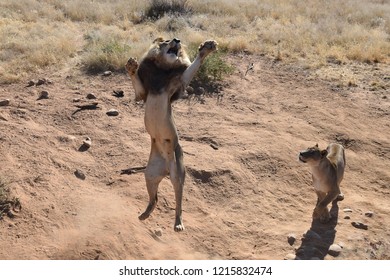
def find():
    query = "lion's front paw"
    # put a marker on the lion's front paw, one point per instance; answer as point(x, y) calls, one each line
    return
point(207, 47)
point(131, 66)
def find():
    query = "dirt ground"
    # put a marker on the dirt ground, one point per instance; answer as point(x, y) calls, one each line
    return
point(245, 191)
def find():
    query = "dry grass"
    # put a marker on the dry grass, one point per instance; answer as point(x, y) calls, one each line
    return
point(103, 34)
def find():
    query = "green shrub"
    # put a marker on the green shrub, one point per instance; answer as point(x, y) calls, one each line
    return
point(213, 69)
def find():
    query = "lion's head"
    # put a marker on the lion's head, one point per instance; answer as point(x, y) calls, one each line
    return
point(312, 155)
point(168, 53)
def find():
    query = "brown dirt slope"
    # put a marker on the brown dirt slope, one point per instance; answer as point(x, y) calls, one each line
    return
point(245, 190)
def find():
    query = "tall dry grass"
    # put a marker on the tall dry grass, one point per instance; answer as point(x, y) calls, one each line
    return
point(101, 34)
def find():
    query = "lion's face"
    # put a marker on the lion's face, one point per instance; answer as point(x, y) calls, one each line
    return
point(168, 52)
point(311, 155)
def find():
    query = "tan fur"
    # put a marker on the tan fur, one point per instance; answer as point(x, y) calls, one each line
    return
point(159, 79)
point(327, 167)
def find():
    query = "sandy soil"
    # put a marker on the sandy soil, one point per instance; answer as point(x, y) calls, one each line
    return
point(245, 190)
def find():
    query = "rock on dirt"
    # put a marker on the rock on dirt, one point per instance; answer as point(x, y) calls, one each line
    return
point(43, 95)
point(4, 102)
point(360, 225)
point(79, 174)
point(369, 214)
point(334, 250)
point(291, 238)
point(112, 112)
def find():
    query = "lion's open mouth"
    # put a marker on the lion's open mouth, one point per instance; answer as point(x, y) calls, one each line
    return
point(174, 50)
point(301, 159)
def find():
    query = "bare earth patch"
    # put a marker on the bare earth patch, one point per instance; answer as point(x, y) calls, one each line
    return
point(245, 195)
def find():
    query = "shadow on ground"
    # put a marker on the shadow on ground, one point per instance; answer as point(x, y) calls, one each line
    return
point(317, 240)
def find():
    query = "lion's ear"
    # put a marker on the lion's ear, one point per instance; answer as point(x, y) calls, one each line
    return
point(158, 40)
point(324, 153)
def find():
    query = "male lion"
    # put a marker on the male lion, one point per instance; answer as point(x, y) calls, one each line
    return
point(327, 168)
point(159, 79)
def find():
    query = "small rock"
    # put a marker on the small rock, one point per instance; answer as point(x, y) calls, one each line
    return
point(30, 83)
point(291, 239)
point(214, 146)
point(341, 244)
point(41, 82)
point(87, 142)
point(4, 102)
point(79, 174)
point(112, 112)
point(107, 73)
point(43, 95)
point(334, 250)
point(91, 96)
point(369, 214)
point(360, 225)
point(347, 210)
point(347, 217)
point(290, 257)
point(75, 100)
point(158, 232)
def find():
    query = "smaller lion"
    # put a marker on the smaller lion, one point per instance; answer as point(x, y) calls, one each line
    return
point(159, 79)
point(327, 167)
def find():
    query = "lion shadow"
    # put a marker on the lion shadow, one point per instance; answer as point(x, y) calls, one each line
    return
point(317, 240)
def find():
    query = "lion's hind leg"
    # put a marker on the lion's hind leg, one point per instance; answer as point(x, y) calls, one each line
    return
point(177, 176)
point(155, 171)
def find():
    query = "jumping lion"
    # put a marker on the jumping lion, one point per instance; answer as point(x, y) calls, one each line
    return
point(159, 79)
point(327, 168)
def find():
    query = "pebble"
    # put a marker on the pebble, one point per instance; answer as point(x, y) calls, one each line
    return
point(79, 174)
point(87, 142)
point(347, 217)
point(215, 147)
point(107, 73)
point(4, 102)
point(41, 82)
point(347, 210)
point(360, 225)
point(43, 95)
point(291, 239)
point(91, 96)
point(334, 250)
point(30, 83)
point(369, 214)
point(158, 232)
point(290, 257)
point(112, 112)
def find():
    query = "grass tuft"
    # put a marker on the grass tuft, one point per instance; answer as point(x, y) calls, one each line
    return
point(159, 8)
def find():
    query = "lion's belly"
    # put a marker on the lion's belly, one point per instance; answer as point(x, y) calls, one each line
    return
point(158, 118)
